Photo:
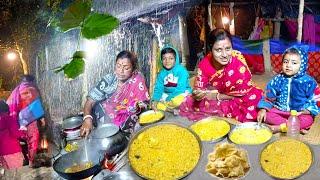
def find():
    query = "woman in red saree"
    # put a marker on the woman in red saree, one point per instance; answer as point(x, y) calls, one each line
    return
point(223, 86)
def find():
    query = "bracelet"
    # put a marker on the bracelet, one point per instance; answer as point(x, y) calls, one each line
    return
point(218, 96)
point(87, 116)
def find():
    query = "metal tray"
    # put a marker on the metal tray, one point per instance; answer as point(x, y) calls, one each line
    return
point(150, 112)
point(249, 125)
point(208, 119)
point(312, 159)
point(160, 124)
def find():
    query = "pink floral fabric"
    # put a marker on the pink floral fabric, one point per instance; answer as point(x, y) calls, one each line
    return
point(123, 102)
point(233, 80)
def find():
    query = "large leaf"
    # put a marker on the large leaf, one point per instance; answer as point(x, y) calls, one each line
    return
point(72, 69)
point(74, 15)
point(96, 25)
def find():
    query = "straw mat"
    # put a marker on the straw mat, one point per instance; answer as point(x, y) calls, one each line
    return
point(313, 135)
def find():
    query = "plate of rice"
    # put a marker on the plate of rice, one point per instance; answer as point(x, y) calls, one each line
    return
point(211, 129)
point(286, 158)
point(150, 117)
point(164, 151)
point(250, 133)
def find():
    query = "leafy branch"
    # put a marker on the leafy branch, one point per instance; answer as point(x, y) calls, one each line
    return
point(92, 25)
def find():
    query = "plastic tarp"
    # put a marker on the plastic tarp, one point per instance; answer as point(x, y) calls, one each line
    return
point(256, 46)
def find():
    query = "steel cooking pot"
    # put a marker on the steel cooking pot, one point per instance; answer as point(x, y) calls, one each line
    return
point(108, 138)
point(72, 122)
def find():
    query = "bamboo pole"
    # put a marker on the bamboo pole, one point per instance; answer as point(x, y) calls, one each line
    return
point(266, 55)
point(153, 65)
point(300, 21)
point(277, 24)
point(211, 25)
point(232, 27)
point(183, 40)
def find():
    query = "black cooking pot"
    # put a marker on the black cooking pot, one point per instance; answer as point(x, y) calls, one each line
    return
point(80, 156)
point(108, 138)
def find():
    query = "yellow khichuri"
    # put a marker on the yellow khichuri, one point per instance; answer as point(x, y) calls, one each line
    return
point(165, 151)
point(250, 135)
point(79, 167)
point(286, 158)
point(210, 129)
point(150, 117)
point(71, 147)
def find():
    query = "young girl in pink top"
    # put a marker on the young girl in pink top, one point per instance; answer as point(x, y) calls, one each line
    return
point(11, 156)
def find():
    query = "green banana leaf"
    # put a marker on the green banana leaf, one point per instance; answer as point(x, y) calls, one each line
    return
point(96, 25)
point(74, 15)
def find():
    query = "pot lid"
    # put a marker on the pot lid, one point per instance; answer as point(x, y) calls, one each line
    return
point(105, 130)
point(72, 122)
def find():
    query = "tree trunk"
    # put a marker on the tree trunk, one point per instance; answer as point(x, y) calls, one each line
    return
point(24, 64)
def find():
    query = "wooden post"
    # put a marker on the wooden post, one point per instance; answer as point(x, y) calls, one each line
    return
point(153, 65)
point(231, 27)
point(266, 55)
point(211, 25)
point(277, 24)
point(300, 21)
point(183, 40)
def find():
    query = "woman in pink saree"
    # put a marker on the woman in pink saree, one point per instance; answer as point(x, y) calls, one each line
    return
point(118, 98)
point(223, 86)
point(26, 108)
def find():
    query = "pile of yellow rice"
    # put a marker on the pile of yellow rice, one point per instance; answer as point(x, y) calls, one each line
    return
point(250, 135)
point(165, 151)
point(210, 129)
point(286, 158)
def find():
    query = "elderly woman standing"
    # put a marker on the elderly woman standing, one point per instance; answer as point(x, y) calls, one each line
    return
point(223, 86)
point(118, 97)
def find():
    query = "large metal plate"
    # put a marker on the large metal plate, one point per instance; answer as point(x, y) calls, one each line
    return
point(249, 125)
point(284, 154)
point(157, 125)
point(211, 119)
point(149, 112)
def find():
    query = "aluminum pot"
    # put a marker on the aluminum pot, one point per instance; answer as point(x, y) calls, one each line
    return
point(109, 138)
point(72, 122)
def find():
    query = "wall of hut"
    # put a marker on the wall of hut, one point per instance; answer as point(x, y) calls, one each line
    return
point(63, 98)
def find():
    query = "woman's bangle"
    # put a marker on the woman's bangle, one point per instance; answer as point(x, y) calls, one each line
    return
point(218, 94)
point(87, 116)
